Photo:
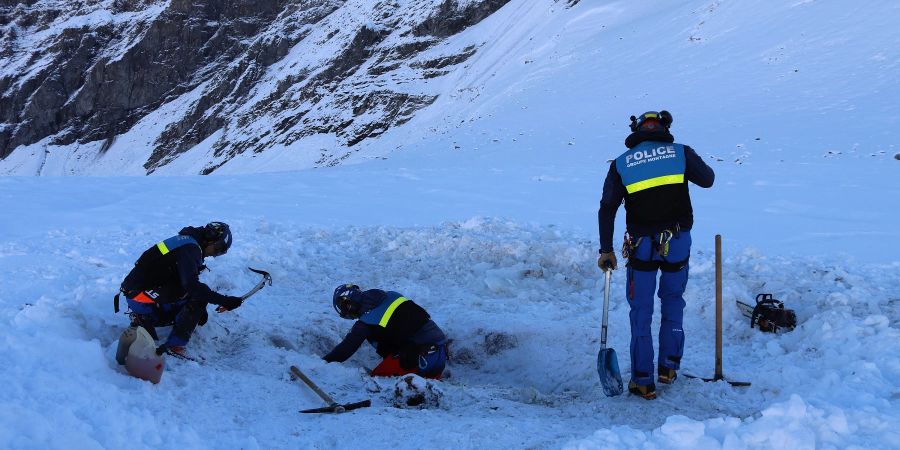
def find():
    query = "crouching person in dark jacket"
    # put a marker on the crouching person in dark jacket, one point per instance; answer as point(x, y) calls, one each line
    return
point(401, 331)
point(164, 287)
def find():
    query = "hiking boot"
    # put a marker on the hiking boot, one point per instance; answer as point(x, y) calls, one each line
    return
point(667, 375)
point(647, 392)
point(174, 350)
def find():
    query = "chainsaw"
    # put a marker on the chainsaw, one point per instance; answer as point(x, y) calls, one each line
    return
point(769, 314)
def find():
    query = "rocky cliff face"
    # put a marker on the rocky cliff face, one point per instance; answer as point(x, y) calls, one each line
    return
point(236, 75)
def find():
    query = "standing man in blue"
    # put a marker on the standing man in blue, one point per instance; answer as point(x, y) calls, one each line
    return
point(652, 178)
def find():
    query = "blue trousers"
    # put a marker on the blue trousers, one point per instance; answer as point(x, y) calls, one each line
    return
point(433, 361)
point(182, 316)
point(640, 288)
point(430, 364)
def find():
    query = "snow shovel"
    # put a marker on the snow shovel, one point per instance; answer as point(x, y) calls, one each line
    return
point(266, 279)
point(607, 362)
point(333, 406)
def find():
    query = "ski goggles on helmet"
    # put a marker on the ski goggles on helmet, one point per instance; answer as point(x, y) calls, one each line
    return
point(663, 117)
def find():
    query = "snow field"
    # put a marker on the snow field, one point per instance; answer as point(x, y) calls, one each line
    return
point(792, 104)
point(522, 303)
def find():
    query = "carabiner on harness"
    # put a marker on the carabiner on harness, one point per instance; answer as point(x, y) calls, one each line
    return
point(664, 237)
point(629, 246)
point(626, 246)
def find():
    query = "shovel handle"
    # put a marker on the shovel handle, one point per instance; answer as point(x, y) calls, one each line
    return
point(603, 329)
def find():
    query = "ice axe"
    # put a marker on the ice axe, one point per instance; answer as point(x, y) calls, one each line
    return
point(333, 406)
point(718, 373)
point(266, 279)
point(607, 362)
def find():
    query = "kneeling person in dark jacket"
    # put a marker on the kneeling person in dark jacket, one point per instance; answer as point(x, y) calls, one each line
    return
point(164, 286)
point(401, 331)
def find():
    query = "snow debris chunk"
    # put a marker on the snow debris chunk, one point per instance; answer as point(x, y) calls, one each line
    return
point(414, 391)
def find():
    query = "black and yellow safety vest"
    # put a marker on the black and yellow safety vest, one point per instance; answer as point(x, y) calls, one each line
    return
point(156, 269)
point(394, 321)
point(653, 174)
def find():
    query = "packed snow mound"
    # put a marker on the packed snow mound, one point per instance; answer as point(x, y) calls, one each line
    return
point(522, 303)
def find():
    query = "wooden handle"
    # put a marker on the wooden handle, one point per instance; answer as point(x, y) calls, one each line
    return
point(718, 374)
point(313, 386)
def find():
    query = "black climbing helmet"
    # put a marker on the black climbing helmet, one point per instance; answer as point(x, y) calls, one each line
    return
point(218, 234)
point(345, 301)
point(651, 121)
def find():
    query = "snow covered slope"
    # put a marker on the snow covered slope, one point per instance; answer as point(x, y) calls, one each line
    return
point(521, 300)
point(128, 86)
point(483, 209)
point(747, 81)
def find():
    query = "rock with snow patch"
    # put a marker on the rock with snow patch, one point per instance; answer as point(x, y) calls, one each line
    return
point(414, 391)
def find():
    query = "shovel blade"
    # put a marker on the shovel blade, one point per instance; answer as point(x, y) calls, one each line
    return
point(608, 369)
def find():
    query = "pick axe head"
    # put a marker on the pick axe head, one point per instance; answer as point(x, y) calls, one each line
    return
point(266, 277)
point(336, 408)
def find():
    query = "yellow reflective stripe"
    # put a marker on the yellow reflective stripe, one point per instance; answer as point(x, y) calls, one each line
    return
point(390, 311)
point(654, 182)
point(162, 248)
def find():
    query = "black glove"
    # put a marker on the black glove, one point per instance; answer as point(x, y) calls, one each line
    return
point(229, 304)
point(607, 261)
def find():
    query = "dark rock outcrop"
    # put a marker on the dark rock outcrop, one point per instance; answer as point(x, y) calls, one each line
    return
point(86, 71)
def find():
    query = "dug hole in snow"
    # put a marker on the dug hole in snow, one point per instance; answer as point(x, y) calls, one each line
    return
point(523, 357)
